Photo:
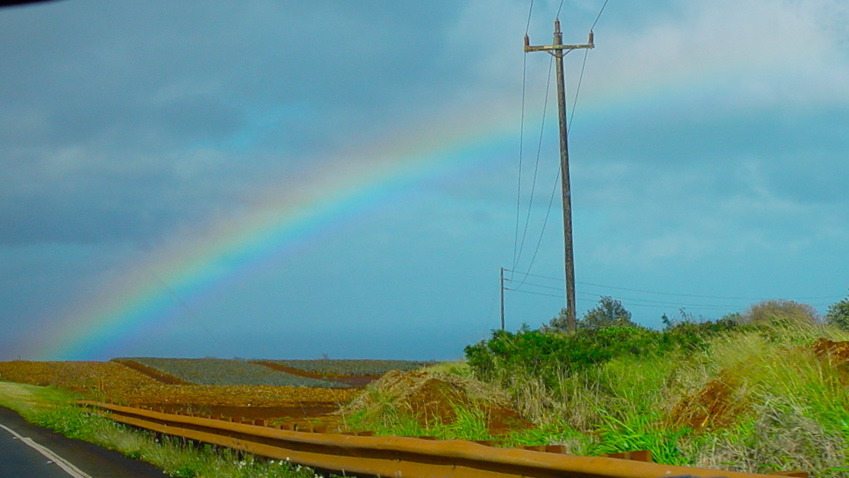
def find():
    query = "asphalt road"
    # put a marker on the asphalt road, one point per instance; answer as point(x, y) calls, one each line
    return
point(32, 452)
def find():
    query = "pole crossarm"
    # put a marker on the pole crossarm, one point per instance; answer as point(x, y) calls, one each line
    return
point(530, 48)
point(558, 46)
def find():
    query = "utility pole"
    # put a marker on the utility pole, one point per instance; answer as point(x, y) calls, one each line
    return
point(558, 50)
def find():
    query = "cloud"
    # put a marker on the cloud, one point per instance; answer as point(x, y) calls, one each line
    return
point(121, 123)
point(757, 52)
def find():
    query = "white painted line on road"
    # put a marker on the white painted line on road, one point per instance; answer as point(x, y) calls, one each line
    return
point(47, 452)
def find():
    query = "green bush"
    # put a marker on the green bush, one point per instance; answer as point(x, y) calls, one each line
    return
point(549, 355)
point(688, 335)
point(838, 314)
point(608, 313)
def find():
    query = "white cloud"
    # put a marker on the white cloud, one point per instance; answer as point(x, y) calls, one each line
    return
point(749, 52)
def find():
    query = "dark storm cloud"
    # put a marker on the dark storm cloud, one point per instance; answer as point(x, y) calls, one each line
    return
point(109, 109)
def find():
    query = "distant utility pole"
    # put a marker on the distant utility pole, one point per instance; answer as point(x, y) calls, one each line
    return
point(558, 50)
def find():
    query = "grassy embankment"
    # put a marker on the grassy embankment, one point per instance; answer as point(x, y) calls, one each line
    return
point(53, 408)
point(754, 399)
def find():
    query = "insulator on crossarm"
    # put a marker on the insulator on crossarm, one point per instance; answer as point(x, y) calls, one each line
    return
point(591, 38)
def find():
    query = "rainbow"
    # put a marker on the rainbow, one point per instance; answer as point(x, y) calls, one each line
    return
point(283, 219)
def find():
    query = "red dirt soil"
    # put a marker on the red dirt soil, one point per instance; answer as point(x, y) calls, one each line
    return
point(837, 352)
point(711, 407)
point(318, 411)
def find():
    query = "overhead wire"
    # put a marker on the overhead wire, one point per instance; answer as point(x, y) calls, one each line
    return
point(675, 294)
point(539, 289)
point(516, 250)
point(544, 224)
point(521, 156)
point(583, 67)
point(559, 9)
point(638, 301)
point(599, 15)
point(536, 167)
point(519, 244)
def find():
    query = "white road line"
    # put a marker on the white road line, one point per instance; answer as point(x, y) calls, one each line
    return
point(50, 454)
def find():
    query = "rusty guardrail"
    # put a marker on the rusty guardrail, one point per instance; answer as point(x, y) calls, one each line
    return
point(398, 456)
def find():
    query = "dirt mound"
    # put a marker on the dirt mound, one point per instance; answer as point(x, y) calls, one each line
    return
point(436, 399)
point(711, 407)
point(837, 352)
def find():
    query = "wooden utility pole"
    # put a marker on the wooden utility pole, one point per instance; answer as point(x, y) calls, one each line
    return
point(559, 50)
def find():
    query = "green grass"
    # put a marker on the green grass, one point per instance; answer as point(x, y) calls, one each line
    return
point(53, 408)
point(388, 420)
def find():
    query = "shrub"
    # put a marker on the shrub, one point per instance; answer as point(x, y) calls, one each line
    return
point(838, 314)
point(608, 313)
point(780, 312)
point(690, 335)
point(549, 355)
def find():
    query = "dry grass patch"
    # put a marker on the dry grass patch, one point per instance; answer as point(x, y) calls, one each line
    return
point(434, 399)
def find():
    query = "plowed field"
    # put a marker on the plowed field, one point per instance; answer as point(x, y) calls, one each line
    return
point(117, 383)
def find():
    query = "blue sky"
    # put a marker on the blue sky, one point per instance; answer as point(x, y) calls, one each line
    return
point(708, 145)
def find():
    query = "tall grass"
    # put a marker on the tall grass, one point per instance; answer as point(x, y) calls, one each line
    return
point(797, 405)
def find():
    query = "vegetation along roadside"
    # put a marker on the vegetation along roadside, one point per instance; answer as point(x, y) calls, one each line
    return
point(761, 391)
point(53, 408)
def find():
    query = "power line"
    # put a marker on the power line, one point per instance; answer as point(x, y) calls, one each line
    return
point(545, 221)
point(631, 302)
point(674, 294)
point(521, 156)
point(638, 301)
point(578, 89)
point(599, 15)
point(518, 246)
point(536, 167)
point(521, 142)
point(641, 303)
point(560, 8)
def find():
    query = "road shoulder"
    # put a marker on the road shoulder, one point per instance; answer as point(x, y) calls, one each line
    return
point(93, 460)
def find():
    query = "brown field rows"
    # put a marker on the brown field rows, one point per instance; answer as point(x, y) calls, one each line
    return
point(117, 383)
